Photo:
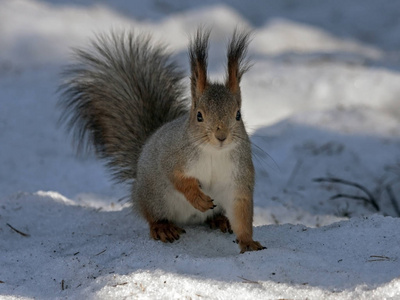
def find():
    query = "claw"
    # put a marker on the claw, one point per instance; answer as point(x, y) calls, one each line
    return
point(250, 246)
point(221, 222)
point(165, 231)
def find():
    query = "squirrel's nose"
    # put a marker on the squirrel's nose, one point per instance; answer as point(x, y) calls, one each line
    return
point(221, 134)
point(221, 138)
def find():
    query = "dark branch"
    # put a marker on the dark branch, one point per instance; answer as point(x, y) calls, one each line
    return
point(393, 199)
point(371, 199)
point(364, 199)
point(17, 231)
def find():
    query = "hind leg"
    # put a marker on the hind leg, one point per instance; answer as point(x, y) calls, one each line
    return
point(219, 222)
point(160, 227)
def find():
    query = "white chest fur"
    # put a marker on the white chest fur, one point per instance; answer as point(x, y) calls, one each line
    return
point(215, 171)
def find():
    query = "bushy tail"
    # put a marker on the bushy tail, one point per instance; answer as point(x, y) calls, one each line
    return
point(117, 95)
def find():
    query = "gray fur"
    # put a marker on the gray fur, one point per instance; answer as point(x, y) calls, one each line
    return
point(125, 98)
point(117, 94)
point(184, 140)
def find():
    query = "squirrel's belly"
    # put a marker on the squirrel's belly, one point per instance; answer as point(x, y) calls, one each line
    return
point(214, 170)
point(179, 209)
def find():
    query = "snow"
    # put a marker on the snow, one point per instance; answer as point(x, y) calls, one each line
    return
point(321, 100)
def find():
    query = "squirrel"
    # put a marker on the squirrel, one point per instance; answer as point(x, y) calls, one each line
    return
point(186, 163)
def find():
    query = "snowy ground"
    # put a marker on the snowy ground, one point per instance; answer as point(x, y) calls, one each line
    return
point(322, 100)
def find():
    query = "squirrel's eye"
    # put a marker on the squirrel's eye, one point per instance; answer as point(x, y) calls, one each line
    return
point(238, 115)
point(199, 117)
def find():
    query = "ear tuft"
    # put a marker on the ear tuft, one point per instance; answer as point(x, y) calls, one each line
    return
point(237, 63)
point(198, 53)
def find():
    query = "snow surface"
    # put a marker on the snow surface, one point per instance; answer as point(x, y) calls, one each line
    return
point(322, 100)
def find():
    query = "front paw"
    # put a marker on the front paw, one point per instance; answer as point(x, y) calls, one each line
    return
point(250, 246)
point(202, 202)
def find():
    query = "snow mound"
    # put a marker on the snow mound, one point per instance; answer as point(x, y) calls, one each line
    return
point(76, 251)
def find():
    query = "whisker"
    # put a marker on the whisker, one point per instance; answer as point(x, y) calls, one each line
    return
point(256, 154)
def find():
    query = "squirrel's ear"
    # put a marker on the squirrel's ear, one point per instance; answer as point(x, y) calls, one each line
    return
point(237, 64)
point(198, 49)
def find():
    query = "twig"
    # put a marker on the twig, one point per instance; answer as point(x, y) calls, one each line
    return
point(295, 170)
point(17, 231)
point(101, 252)
point(393, 199)
point(350, 197)
point(118, 284)
point(371, 199)
point(378, 258)
point(248, 280)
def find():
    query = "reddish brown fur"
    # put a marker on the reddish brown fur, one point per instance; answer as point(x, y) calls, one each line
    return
point(162, 230)
point(243, 227)
point(165, 231)
point(220, 222)
point(201, 82)
point(189, 186)
point(243, 214)
point(233, 79)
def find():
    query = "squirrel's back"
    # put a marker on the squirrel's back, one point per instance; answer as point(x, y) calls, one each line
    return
point(118, 94)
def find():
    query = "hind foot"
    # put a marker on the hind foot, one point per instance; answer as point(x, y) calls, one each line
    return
point(165, 231)
point(221, 222)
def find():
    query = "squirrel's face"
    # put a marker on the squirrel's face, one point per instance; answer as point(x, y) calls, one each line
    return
point(216, 118)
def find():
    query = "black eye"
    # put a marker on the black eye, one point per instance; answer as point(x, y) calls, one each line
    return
point(238, 115)
point(199, 117)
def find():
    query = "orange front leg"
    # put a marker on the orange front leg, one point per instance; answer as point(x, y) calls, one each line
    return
point(190, 187)
point(242, 225)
